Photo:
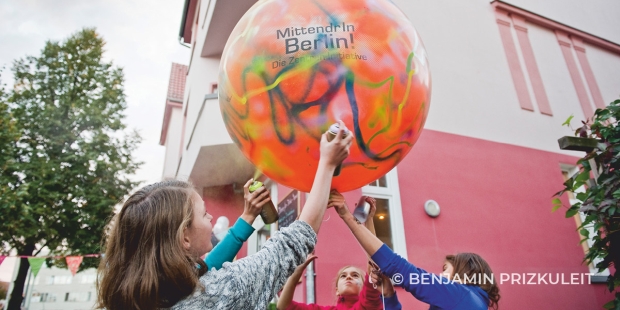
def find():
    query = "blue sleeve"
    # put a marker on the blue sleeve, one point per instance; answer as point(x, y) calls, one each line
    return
point(226, 250)
point(429, 288)
point(392, 303)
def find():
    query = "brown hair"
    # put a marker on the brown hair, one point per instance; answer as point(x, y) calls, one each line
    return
point(470, 266)
point(145, 265)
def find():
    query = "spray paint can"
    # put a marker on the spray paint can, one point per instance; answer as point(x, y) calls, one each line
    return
point(269, 213)
point(361, 210)
point(331, 134)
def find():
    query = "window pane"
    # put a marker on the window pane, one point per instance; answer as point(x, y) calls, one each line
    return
point(263, 235)
point(382, 222)
point(381, 182)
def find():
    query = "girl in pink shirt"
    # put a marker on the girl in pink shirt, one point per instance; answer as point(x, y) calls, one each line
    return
point(353, 289)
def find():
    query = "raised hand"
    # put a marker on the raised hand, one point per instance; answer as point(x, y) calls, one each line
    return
point(254, 202)
point(337, 201)
point(335, 151)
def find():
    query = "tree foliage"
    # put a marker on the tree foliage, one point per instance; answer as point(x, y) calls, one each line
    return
point(72, 153)
point(600, 202)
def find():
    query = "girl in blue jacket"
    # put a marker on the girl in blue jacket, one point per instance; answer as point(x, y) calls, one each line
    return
point(467, 282)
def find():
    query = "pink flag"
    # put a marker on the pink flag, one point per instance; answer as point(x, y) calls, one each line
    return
point(73, 262)
point(2, 257)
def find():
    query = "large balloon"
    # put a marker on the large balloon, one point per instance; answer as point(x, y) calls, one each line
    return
point(291, 68)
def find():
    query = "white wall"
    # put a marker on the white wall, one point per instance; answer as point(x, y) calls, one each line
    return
point(202, 73)
point(173, 143)
point(606, 68)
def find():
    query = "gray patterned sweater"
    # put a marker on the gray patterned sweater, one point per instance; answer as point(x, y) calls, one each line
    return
point(251, 282)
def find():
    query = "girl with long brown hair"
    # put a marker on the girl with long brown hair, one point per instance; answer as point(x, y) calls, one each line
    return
point(468, 282)
point(153, 249)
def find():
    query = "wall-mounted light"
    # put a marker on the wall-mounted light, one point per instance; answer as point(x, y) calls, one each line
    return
point(432, 208)
point(381, 217)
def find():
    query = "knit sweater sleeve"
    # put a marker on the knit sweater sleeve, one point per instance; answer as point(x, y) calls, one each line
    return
point(227, 249)
point(251, 282)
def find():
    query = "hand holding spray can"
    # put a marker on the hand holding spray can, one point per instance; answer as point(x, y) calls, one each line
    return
point(331, 134)
point(269, 213)
point(361, 210)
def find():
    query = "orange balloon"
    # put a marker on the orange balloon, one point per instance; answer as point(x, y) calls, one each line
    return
point(290, 69)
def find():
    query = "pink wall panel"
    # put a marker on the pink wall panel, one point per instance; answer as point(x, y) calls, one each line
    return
point(503, 22)
point(530, 63)
point(582, 94)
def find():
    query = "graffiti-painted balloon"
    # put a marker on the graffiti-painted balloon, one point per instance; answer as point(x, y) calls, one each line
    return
point(292, 68)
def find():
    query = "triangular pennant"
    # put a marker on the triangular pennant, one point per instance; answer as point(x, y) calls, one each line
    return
point(73, 262)
point(2, 257)
point(35, 264)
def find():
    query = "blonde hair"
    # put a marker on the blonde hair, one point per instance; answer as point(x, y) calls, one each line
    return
point(146, 265)
point(361, 271)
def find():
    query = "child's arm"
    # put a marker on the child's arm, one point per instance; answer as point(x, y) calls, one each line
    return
point(289, 288)
point(332, 154)
point(227, 249)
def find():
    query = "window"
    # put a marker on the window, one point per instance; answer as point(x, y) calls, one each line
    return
point(389, 216)
point(59, 280)
point(567, 172)
point(44, 297)
point(78, 296)
point(88, 278)
point(263, 235)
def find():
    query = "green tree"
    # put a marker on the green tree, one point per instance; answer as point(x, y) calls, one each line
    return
point(73, 154)
point(9, 136)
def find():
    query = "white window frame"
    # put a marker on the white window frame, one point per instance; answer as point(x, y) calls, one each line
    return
point(392, 194)
point(571, 171)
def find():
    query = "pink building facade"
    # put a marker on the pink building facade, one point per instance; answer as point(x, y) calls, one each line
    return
point(506, 75)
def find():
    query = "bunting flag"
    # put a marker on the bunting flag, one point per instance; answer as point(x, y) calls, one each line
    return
point(73, 262)
point(35, 264)
point(2, 257)
point(53, 256)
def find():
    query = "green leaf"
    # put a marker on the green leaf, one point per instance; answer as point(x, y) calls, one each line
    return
point(567, 122)
point(582, 177)
point(571, 212)
point(584, 232)
point(557, 203)
point(609, 305)
point(581, 196)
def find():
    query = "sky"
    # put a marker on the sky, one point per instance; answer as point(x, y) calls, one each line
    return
point(142, 38)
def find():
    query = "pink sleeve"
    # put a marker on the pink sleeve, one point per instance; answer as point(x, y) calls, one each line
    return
point(370, 298)
point(299, 306)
